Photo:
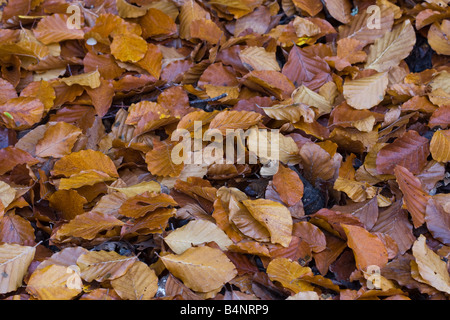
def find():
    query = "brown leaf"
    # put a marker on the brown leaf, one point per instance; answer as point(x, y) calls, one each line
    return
point(414, 197)
point(410, 151)
point(13, 156)
point(156, 23)
point(304, 68)
point(21, 113)
point(15, 229)
point(139, 205)
point(438, 221)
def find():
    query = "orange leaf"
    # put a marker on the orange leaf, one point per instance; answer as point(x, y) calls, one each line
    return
point(50, 283)
point(86, 226)
point(152, 60)
point(440, 146)
point(368, 249)
point(84, 160)
point(156, 23)
point(270, 82)
point(288, 185)
point(310, 6)
point(206, 30)
point(234, 120)
point(194, 267)
point(159, 160)
point(102, 96)
point(154, 222)
point(21, 113)
point(69, 202)
point(53, 29)
point(58, 140)
point(128, 47)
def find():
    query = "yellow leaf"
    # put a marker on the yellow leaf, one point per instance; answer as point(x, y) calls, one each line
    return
point(365, 93)
point(431, 268)
point(394, 46)
point(52, 283)
point(134, 190)
point(7, 194)
point(195, 233)
point(440, 146)
point(305, 95)
point(274, 216)
point(357, 191)
point(202, 269)
point(257, 58)
point(90, 79)
point(14, 263)
point(289, 274)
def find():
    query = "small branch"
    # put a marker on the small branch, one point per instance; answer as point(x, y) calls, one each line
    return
point(200, 101)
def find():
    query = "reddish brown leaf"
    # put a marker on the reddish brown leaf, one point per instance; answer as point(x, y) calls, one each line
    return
point(410, 151)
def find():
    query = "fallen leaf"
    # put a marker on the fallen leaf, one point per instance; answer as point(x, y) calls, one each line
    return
point(431, 268)
point(194, 266)
point(138, 283)
point(274, 216)
point(414, 197)
point(104, 265)
point(58, 140)
point(440, 146)
point(195, 233)
point(365, 93)
point(14, 262)
point(51, 283)
point(367, 248)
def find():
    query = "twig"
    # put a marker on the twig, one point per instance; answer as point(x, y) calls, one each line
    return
point(200, 101)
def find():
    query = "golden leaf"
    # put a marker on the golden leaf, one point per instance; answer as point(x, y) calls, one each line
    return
point(201, 269)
